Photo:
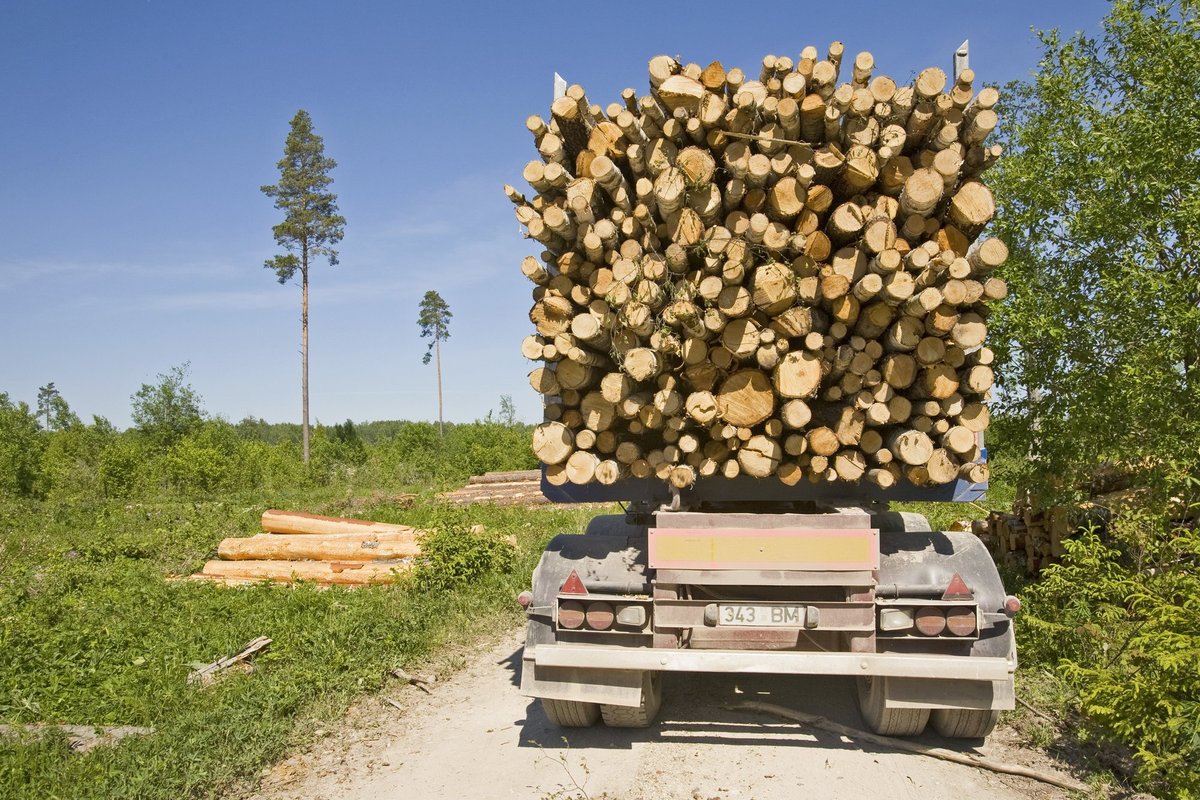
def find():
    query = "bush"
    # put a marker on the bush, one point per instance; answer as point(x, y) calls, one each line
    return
point(454, 555)
point(1120, 620)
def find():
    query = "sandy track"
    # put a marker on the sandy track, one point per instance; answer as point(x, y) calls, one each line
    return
point(475, 736)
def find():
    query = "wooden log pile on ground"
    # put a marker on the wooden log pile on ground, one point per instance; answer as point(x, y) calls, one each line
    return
point(315, 549)
point(1032, 536)
point(521, 488)
point(764, 274)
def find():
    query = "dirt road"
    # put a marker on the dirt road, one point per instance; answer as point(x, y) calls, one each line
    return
point(475, 736)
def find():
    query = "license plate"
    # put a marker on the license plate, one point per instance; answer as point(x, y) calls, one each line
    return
point(761, 616)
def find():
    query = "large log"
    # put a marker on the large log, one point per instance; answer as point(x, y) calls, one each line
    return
point(320, 547)
point(276, 521)
point(319, 572)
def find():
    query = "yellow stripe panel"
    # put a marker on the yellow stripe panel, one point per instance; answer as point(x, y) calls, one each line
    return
point(750, 549)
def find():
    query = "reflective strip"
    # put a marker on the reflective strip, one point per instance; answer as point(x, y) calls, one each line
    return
point(900, 665)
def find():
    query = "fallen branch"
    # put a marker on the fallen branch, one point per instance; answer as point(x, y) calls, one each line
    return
point(913, 747)
point(1041, 714)
point(420, 683)
point(207, 675)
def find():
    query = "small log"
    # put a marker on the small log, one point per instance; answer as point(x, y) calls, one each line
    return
point(798, 375)
point(553, 442)
point(910, 446)
point(760, 456)
point(972, 206)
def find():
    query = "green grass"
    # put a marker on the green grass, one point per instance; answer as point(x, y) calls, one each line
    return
point(92, 632)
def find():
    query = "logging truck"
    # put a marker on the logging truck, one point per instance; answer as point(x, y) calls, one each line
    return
point(762, 308)
point(746, 576)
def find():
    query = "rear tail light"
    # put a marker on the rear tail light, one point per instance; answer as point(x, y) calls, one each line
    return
point(960, 621)
point(524, 599)
point(571, 615)
point(1012, 605)
point(930, 620)
point(600, 616)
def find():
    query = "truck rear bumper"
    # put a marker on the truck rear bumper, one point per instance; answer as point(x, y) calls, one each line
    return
point(891, 665)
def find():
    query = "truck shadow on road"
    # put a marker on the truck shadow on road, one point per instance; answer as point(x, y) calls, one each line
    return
point(698, 708)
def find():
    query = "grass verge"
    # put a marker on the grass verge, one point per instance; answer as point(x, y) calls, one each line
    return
point(91, 632)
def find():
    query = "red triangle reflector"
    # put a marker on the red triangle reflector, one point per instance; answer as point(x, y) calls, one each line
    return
point(572, 585)
point(957, 590)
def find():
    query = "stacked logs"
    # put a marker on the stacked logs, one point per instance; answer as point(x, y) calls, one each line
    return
point(316, 549)
point(781, 276)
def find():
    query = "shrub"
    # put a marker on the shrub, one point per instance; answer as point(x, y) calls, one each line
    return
point(454, 555)
point(1120, 619)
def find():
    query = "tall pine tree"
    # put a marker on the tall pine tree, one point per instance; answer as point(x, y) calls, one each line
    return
point(434, 320)
point(310, 227)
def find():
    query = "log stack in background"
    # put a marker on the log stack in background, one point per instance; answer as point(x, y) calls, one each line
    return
point(781, 276)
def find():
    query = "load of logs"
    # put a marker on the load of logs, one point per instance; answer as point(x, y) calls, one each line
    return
point(315, 549)
point(781, 276)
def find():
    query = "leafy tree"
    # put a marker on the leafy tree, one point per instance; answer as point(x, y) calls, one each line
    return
point(53, 409)
point(310, 227)
point(508, 410)
point(168, 410)
point(21, 444)
point(1099, 202)
point(434, 320)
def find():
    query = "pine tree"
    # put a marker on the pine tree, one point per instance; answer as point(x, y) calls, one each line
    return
point(435, 324)
point(310, 227)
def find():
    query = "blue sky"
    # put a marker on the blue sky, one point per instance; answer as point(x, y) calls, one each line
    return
point(134, 138)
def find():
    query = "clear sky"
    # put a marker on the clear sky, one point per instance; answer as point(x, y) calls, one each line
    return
point(134, 137)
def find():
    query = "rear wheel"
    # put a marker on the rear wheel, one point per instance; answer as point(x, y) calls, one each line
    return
point(964, 723)
point(641, 715)
point(570, 713)
point(872, 694)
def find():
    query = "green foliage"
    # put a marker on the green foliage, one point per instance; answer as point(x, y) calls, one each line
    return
point(454, 556)
point(1120, 619)
point(311, 224)
point(70, 460)
point(201, 462)
point(168, 410)
point(1099, 201)
point(434, 319)
point(21, 446)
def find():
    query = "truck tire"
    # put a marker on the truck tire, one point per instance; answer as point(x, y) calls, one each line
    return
point(964, 723)
point(641, 715)
point(887, 721)
point(570, 713)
